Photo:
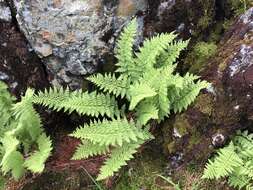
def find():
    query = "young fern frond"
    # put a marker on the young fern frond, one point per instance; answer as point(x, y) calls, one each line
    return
point(84, 103)
point(109, 83)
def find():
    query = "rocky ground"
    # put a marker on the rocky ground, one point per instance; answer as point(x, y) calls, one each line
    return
point(59, 42)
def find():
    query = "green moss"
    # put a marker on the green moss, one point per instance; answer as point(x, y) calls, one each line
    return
point(142, 173)
point(204, 103)
point(201, 52)
point(181, 125)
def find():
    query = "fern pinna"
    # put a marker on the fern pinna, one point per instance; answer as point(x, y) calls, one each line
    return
point(146, 79)
point(234, 161)
point(22, 130)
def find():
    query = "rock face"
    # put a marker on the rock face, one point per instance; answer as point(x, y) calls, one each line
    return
point(72, 37)
point(189, 18)
point(224, 107)
point(19, 67)
point(5, 12)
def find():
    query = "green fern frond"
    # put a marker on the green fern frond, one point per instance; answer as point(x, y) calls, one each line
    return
point(91, 104)
point(146, 110)
point(172, 53)
point(125, 49)
point(28, 119)
point(107, 133)
point(151, 49)
point(138, 92)
point(118, 158)
point(36, 162)
point(12, 160)
point(224, 164)
point(109, 83)
point(88, 149)
point(6, 101)
point(188, 95)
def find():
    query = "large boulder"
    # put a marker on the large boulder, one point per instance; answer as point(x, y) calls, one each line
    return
point(72, 37)
point(224, 107)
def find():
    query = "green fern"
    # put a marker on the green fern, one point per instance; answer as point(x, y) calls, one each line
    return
point(118, 158)
point(23, 130)
point(108, 133)
point(109, 83)
point(92, 104)
point(235, 162)
point(147, 80)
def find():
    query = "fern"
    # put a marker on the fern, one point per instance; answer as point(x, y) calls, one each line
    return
point(92, 104)
point(110, 132)
point(118, 158)
point(109, 83)
point(88, 149)
point(147, 80)
point(235, 162)
point(23, 130)
point(36, 162)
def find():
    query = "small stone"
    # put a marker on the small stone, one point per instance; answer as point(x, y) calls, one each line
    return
point(5, 12)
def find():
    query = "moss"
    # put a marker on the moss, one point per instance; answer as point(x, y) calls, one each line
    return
point(142, 173)
point(204, 103)
point(202, 51)
point(181, 125)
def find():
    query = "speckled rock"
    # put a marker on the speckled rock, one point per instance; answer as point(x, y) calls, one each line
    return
point(72, 37)
point(5, 12)
point(224, 107)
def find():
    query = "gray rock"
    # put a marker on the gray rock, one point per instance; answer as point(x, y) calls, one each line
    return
point(5, 12)
point(71, 36)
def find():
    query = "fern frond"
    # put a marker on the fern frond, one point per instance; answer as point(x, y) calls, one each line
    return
point(150, 51)
point(91, 104)
point(187, 95)
point(118, 158)
point(36, 162)
point(239, 181)
point(114, 132)
point(88, 149)
point(6, 101)
point(172, 54)
point(12, 160)
point(146, 110)
point(224, 164)
point(138, 92)
point(28, 119)
point(125, 49)
point(109, 83)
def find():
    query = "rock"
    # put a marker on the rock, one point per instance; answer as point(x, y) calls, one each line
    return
point(224, 107)
point(5, 12)
point(19, 67)
point(72, 37)
point(189, 18)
